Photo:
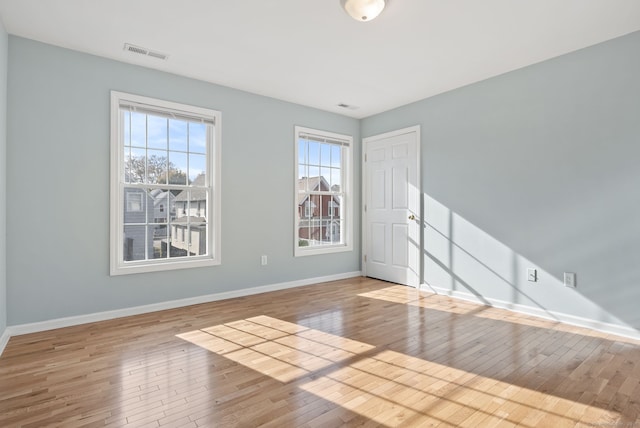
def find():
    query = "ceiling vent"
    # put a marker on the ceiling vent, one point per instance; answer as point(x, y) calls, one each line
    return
point(348, 107)
point(144, 51)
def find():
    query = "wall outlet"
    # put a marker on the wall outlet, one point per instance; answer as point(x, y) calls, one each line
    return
point(570, 280)
point(532, 275)
point(263, 260)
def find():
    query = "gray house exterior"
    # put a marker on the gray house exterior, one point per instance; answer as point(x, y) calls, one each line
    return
point(189, 229)
point(138, 212)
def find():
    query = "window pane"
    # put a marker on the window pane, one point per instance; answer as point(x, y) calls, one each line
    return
point(326, 223)
point(303, 233)
point(303, 172)
point(197, 137)
point(160, 199)
point(138, 130)
point(126, 158)
point(192, 203)
point(134, 243)
point(336, 156)
point(178, 246)
point(335, 224)
point(197, 167)
point(325, 173)
point(156, 167)
point(325, 154)
point(126, 118)
point(134, 171)
point(302, 152)
point(333, 232)
point(156, 132)
point(336, 180)
point(134, 206)
point(314, 153)
point(177, 135)
point(157, 234)
point(177, 168)
point(197, 239)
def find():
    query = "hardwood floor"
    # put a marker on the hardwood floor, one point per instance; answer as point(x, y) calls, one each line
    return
point(356, 352)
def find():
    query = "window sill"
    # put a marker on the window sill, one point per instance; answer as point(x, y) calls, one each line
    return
point(314, 251)
point(147, 266)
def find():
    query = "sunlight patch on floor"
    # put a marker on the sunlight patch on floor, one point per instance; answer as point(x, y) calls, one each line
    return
point(282, 350)
point(392, 388)
point(387, 387)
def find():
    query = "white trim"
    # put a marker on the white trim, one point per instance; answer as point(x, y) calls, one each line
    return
point(619, 330)
point(36, 327)
point(4, 339)
point(347, 220)
point(172, 304)
point(117, 266)
point(416, 129)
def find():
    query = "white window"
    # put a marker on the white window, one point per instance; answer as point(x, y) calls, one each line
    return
point(309, 207)
point(334, 208)
point(323, 199)
point(161, 149)
point(134, 202)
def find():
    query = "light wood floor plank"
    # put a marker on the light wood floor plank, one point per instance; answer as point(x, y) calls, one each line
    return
point(357, 352)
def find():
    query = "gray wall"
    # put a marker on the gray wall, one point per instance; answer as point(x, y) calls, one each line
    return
point(3, 177)
point(58, 186)
point(536, 168)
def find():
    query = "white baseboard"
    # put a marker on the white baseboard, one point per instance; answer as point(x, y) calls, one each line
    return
point(4, 339)
point(619, 330)
point(36, 327)
point(137, 310)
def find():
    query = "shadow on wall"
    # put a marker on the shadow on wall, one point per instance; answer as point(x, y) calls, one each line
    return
point(462, 260)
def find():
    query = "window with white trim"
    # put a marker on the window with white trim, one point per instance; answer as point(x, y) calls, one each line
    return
point(323, 205)
point(163, 152)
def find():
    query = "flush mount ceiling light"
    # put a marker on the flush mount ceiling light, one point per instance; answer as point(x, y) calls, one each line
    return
point(363, 10)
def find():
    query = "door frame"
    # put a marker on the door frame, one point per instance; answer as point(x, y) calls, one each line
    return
point(410, 129)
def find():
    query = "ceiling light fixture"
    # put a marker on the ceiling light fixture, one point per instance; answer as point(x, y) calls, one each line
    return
point(363, 10)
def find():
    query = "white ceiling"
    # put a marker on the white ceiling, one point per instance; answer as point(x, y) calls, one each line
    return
point(311, 52)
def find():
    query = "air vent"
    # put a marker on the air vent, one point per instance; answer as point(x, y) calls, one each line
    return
point(347, 106)
point(144, 51)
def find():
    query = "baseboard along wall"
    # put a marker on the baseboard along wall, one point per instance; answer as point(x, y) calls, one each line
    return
point(36, 327)
point(16, 330)
point(560, 317)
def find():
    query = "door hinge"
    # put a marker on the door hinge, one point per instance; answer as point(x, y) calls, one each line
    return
point(365, 157)
point(365, 258)
point(365, 208)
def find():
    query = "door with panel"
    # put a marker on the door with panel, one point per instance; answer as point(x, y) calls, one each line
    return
point(392, 207)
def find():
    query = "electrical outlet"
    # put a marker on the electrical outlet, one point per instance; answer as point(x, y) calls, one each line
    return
point(570, 280)
point(263, 260)
point(532, 275)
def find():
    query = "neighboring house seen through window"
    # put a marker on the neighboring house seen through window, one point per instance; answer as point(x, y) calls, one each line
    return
point(323, 220)
point(163, 153)
point(134, 202)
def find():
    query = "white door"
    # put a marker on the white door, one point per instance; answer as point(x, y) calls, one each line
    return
point(391, 226)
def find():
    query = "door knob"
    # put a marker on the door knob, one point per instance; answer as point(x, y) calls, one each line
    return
point(412, 217)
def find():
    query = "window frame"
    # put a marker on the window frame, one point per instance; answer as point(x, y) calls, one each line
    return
point(347, 220)
point(118, 266)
